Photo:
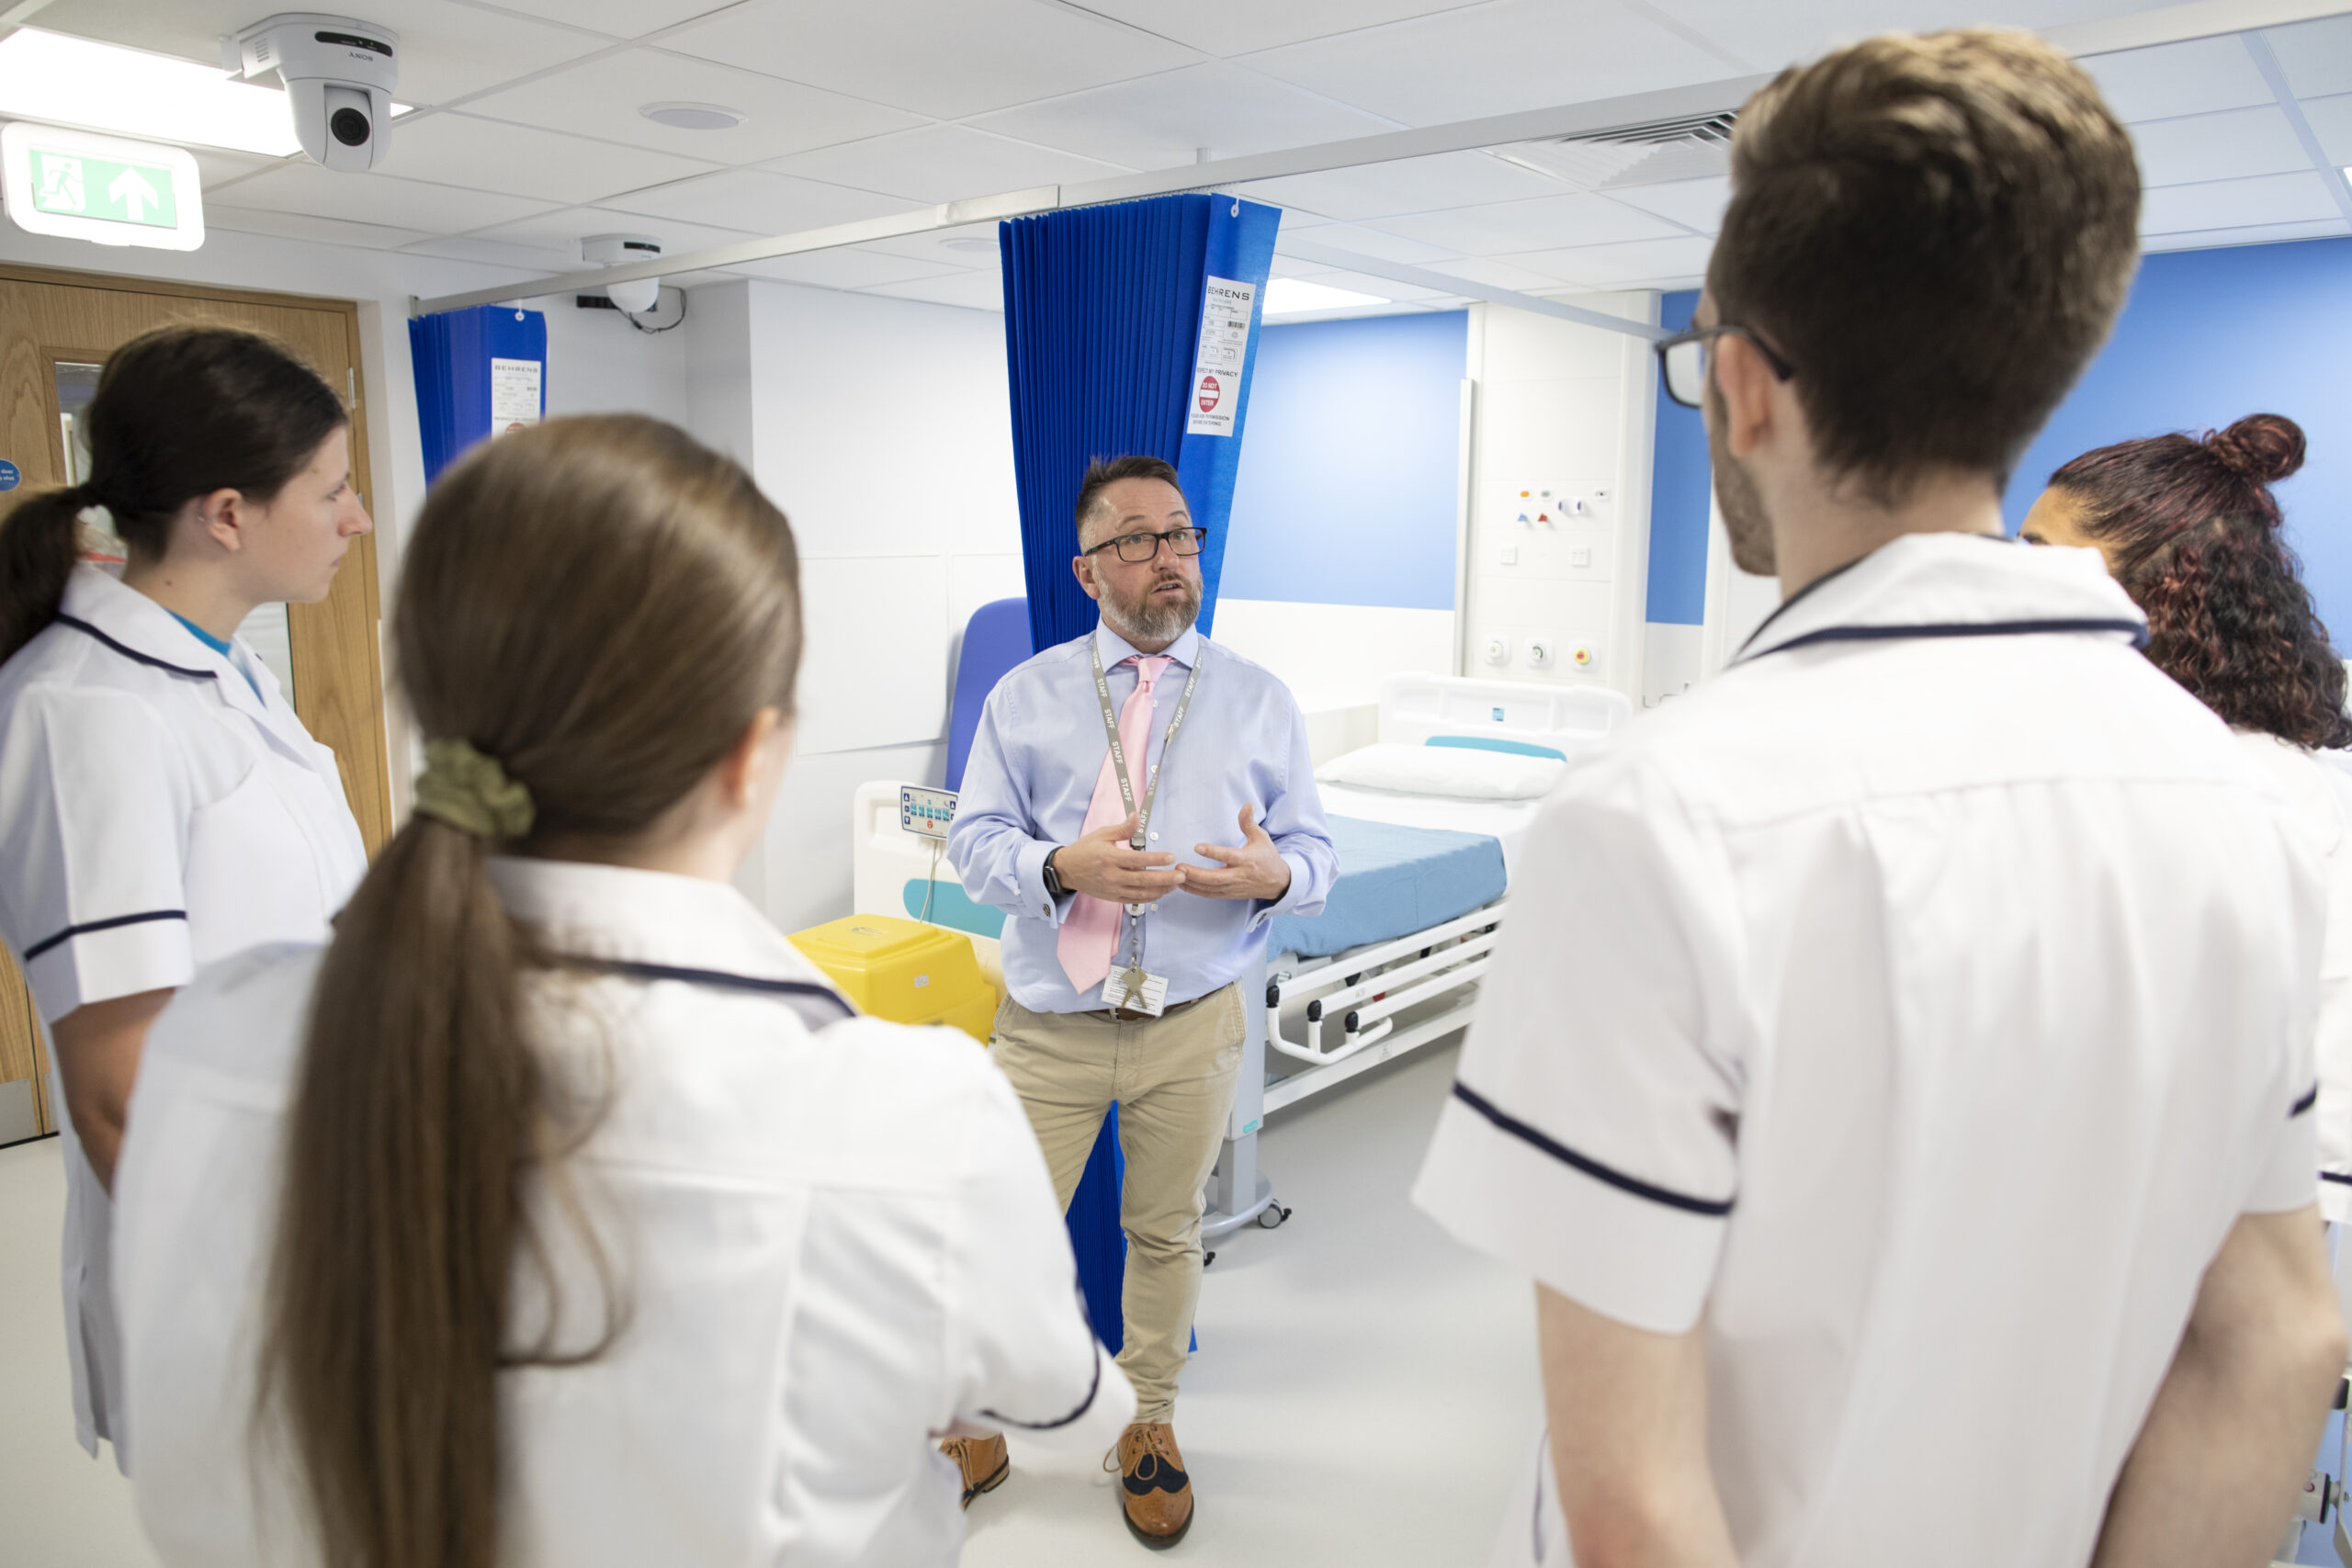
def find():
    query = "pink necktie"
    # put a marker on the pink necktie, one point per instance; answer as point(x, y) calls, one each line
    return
point(1089, 934)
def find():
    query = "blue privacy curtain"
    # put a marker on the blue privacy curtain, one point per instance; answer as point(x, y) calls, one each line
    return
point(1128, 328)
point(476, 371)
point(1103, 314)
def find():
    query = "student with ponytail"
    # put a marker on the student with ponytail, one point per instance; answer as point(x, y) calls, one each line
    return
point(2191, 530)
point(161, 806)
point(558, 1212)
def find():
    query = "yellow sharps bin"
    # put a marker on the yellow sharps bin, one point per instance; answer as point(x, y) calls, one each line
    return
point(903, 970)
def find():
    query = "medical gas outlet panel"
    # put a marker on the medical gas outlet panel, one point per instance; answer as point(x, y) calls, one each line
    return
point(1544, 582)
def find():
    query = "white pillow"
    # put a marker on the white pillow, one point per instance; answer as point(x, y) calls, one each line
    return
point(1458, 771)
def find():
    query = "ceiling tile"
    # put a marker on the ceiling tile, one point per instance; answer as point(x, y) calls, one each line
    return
point(1642, 262)
point(1227, 28)
point(448, 50)
point(215, 167)
point(973, 290)
point(943, 163)
point(2258, 234)
point(2232, 204)
point(759, 201)
point(945, 58)
point(2316, 56)
point(473, 248)
point(600, 98)
point(1545, 223)
point(309, 226)
point(1694, 204)
point(934, 244)
point(1494, 58)
point(563, 228)
point(379, 198)
point(1162, 121)
point(1497, 274)
point(2228, 145)
point(1411, 185)
point(848, 268)
point(618, 18)
point(487, 155)
point(2179, 78)
point(1375, 243)
point(2331, 119)
point(1769, 36)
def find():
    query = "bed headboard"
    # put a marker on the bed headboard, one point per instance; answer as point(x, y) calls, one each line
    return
point(1423, 709)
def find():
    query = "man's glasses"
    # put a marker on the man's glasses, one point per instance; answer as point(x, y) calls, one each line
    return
point(1136, 549)
point(1682, 359)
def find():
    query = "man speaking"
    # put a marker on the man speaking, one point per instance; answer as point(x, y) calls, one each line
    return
point(1140, 802)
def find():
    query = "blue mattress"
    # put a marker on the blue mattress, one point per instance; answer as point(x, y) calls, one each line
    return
point(1394, 881)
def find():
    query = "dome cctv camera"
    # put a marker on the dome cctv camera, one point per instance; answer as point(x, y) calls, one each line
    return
point(338, 72)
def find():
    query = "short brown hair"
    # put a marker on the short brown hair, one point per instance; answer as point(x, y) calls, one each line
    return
point(1104, 472)
point(1937, 232)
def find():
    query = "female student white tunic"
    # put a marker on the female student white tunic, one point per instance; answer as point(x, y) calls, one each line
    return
point(830, 1243)
point(2319, 800)
point(156, 812)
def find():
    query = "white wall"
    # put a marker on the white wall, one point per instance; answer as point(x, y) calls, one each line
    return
point(1564, 408)
point(883, 429)
point(1333, 656)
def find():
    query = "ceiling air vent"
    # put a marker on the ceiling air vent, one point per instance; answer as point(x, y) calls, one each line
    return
point(1690, 148)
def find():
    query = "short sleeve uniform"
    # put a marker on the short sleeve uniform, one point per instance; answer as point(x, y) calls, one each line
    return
point(840, 1238)
point(160, 806)
point(1916, 1006)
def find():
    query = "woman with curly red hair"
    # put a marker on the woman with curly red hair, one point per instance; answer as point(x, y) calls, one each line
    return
point(2191, 530)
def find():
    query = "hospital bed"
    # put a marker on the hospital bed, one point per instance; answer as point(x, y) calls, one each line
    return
point(1429, 822)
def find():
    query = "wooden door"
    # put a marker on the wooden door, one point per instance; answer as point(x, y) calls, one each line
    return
point(52, 319)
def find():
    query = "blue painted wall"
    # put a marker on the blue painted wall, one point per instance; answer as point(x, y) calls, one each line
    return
point(1350, 472)
point(1680, 489)
point(2209, 336)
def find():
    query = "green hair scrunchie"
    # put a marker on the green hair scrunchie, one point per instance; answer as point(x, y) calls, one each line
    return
point(471, 793)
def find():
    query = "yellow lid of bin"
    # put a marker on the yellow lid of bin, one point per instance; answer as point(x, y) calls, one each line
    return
point(899, 969)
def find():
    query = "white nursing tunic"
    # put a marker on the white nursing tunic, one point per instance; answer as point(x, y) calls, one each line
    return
point(156, 813)
point(831, 1243)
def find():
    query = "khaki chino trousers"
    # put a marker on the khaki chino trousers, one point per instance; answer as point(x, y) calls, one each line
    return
point(1173, 1079)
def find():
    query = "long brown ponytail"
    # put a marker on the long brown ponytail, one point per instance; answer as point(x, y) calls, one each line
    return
point(602, 606)
point(180, 412)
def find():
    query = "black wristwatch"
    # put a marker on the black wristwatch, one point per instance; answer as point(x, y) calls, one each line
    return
point(1053, 879)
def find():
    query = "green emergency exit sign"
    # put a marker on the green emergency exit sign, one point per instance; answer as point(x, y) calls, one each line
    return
point(106, 189)
point(110, 190)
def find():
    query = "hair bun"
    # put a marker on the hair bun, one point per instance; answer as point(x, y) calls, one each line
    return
point(2264, 447)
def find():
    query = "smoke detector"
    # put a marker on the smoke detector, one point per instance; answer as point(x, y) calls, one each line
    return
point(619, 250)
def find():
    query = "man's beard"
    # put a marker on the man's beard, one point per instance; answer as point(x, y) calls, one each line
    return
point(1745, 519)
point(1148, 617)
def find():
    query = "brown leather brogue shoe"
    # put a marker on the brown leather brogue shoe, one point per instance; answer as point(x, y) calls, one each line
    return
point(1153, 1492)
point(983, 1461)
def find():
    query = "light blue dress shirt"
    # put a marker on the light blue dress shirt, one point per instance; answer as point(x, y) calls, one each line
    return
point(1031, 776)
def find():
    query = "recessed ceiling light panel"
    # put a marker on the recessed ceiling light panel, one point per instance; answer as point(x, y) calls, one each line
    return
point(694, 116)
point(967, 243)
point(78, 81)
point(1293, 295)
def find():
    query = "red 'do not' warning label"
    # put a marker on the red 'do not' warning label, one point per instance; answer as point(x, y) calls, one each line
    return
point(1210, 393)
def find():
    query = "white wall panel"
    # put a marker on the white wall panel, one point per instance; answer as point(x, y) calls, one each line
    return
point(875, 672)
point(1335, 655)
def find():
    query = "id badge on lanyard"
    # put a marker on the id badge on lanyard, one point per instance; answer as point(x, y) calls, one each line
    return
point(1134, 988)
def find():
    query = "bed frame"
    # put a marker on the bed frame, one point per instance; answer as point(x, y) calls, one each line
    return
point(1345, 1014)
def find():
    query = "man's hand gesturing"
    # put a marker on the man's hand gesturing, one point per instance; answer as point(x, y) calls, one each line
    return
point(1256, 870)
point(1102, 865)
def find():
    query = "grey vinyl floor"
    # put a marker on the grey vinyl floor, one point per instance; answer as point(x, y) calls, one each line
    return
point(1362, 1392)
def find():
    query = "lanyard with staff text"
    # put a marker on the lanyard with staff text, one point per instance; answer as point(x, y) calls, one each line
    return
point(1142, 814)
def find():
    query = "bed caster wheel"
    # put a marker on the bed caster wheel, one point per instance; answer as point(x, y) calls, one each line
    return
point(1272, 1216)
point(1208, 1258)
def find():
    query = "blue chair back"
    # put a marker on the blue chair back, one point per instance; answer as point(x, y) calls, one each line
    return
point(995, 641)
